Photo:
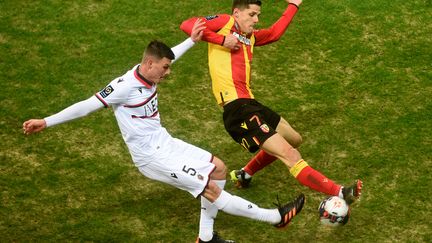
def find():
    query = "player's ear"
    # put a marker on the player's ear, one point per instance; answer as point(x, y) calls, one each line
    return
point(148, 62)
point(236, 12)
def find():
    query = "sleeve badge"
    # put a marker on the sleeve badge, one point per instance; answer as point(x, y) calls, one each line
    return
point(107, 91)
point(210, 17)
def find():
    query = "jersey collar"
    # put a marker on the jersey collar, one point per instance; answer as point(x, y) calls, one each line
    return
point(237, 27)
point(141, 78)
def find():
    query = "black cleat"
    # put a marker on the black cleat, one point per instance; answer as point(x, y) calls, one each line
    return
point(238, 177)
point(353, 192)
point(216, 239)
point(290, 210)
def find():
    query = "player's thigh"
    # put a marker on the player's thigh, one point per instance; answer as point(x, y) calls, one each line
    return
point(277, 146)
point(287, 132)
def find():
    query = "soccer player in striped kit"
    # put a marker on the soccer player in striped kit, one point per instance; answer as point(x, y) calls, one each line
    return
point(231, 42)
point(157, 155)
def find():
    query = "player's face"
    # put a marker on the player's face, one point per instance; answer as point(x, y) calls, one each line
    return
point(159, 69)
point(247, 18)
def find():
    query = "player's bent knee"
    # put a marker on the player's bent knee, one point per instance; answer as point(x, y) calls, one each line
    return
point(292, 155)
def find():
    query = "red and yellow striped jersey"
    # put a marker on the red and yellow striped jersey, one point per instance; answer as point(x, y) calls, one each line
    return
point(230, 70)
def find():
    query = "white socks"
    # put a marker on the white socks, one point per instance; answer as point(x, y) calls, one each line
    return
point(208, 214)
point(240, 207)
point(247, 176)
point(232, 205)
point(340, 193)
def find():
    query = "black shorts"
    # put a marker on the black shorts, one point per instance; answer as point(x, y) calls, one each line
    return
point(250, 123)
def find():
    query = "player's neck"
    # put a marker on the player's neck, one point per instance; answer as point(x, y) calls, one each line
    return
point(141, 74)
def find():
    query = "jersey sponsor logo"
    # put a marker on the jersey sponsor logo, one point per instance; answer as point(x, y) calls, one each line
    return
point(120, 80)
point(265, 128)
point(107, 91)
point(243, 39)
point(145, 109)
point(210, 17)
point(244, 126)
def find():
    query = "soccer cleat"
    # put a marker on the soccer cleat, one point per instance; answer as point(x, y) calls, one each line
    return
point(353, 192)
point(216, 239)
point(290, 210)
point(238, 177)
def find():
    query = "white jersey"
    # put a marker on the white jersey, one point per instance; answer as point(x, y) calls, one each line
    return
point(158, 155)
point(134, 100)
point(135, 104)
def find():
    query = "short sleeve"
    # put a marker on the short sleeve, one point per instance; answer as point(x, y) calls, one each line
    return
point(116, 92)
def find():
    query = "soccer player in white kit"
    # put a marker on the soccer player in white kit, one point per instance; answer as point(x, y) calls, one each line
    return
point(155, 153)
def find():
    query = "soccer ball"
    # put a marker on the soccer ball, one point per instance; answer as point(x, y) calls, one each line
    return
point(334, 211)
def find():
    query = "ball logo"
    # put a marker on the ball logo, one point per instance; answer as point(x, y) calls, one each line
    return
point(334, 211)
point(337, 204)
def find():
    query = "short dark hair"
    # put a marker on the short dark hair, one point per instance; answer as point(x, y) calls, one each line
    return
point(159, 50)
point(243, 4)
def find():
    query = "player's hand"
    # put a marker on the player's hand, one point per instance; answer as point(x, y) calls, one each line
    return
point(33, 125)
point(231, 42)
point(296, 2)
point(197, 30)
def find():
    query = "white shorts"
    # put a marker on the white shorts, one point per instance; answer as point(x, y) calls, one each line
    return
point(180, 164)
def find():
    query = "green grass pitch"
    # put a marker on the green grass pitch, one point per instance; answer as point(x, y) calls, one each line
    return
point(353, 77)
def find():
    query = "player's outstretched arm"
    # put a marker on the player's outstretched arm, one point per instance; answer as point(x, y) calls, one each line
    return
point(33, 126)
point(196, 35)
point(213, 24)
point(272, 34)
point(72, 112)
